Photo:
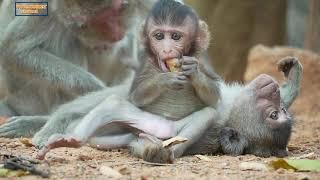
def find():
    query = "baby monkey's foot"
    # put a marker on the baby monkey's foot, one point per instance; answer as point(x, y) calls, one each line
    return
point(155, 152)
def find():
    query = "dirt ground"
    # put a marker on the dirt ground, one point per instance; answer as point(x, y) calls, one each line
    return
point(85, 163)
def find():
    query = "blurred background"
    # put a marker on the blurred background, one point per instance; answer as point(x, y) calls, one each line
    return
point(237, 26)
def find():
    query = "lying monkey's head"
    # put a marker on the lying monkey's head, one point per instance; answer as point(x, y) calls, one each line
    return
point(259, 124)
point(173, 30)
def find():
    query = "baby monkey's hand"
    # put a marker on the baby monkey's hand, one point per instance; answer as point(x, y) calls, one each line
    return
point(173, 80)
point(189, 65)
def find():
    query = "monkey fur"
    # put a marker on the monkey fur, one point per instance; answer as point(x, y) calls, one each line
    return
point(252, 118)
point(49, 61)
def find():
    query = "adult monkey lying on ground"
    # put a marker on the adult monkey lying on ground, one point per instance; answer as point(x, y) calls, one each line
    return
point(253, 119)
point(172, 31)
point(48, 61)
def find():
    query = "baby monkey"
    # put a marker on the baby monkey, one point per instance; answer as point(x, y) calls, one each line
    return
point(174, 87)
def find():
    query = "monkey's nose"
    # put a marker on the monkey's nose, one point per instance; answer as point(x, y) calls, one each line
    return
point(167, 51)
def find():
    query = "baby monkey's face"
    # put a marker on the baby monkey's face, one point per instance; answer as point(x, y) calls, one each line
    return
point(169, 43)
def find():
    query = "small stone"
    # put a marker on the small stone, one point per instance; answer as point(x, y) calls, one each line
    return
point(109, 172)
point(253, 166)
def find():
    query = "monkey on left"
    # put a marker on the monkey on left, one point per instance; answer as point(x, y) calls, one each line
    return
point(80, 47)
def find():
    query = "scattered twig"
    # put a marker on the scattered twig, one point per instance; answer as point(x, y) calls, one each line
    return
point(22, 163)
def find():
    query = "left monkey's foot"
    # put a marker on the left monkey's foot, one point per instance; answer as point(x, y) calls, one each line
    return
point(56, 141)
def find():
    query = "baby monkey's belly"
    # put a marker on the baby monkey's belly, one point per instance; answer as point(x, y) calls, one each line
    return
point(175, 104)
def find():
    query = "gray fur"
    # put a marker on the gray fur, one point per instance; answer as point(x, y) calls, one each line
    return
point(45, 64)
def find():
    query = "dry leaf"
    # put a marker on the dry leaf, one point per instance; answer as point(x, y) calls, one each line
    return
point(253, 166)
point(27, 142)
point(281, 163)
point(109, 172)
point(174, 141)
point(204, 158)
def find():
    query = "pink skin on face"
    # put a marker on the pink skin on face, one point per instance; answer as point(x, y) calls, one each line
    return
point(169, 41)
point(268, 100)
point(108, 22)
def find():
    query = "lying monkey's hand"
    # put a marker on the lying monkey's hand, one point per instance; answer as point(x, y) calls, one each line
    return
point(173, 80)
point(189, 65)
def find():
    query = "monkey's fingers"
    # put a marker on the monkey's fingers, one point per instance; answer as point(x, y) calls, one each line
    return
point(8, 130)
point(189, 60)
point(182, 77)
point(189, 67)
point(286, 63)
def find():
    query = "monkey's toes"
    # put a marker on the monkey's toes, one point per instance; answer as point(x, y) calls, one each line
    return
point(158, 154)
point(285, 64)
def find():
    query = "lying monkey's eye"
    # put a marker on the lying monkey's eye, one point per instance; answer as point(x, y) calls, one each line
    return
point(159, 36)
point(176, 36)
point(274, 115)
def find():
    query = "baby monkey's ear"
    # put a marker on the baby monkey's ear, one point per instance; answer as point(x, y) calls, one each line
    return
point(203, 37)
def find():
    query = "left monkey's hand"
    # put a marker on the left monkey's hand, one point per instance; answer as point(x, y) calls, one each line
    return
point(189, 65)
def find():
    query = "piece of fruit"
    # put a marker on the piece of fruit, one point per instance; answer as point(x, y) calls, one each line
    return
point(173, 65)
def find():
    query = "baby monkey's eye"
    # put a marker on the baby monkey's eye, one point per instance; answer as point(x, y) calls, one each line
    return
point(274, 115)
point(176, 36)
point(159, 36)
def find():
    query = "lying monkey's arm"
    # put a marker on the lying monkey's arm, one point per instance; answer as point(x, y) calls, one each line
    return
point(292, 70)
point(35, 65)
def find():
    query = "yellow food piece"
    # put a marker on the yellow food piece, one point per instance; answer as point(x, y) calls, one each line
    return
point(173, 65)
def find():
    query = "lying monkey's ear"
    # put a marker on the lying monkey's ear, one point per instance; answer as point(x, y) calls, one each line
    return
point(232, 142)
point(203, 37)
